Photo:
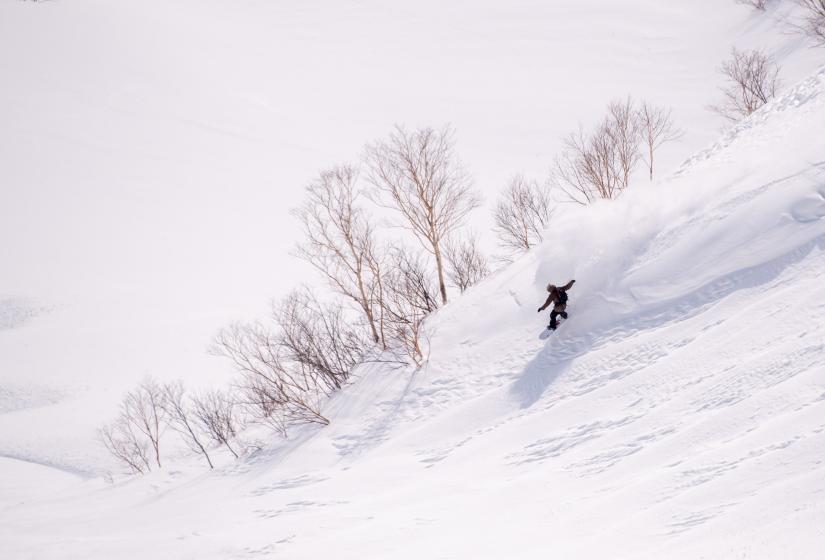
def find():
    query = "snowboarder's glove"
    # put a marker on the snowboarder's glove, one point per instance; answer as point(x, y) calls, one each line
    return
point(539, 311)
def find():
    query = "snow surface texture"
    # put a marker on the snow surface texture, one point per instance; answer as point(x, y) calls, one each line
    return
point(678, 413)
point(150, 152)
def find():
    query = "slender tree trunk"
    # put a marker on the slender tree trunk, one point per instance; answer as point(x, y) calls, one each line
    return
point(365, 304)
point(229, 447)
point(442, 285)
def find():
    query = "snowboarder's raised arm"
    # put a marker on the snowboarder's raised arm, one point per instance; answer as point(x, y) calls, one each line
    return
point(568, 285)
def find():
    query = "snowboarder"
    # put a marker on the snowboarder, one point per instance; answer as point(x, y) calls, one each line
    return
point(558, 296)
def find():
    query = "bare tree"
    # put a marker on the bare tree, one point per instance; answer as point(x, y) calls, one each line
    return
point(127, 446)
point(466, 264)
point(656, 128)
point(274, 391)
point(417, 174)
point(144, 408)
point(339, 242)
point(813, 20)
point(182, 417)
point(410, 297)
point(215, 413)
point(319, 339)
point(138, 428)
point(622, 127)
point(752, 81)
point(521, 214)
point(755, 4)
point(598, 165)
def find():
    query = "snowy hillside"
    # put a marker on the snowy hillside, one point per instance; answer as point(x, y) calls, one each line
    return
point(678, 413)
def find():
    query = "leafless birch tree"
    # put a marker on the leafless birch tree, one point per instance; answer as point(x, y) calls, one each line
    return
point(137, 431)
point(339, 242)
point(126, 445)
point(623, 129)
point(216, 415)
point(418, 174)
point(180, 411)
point(813, 20)
point(466, 264)
point(656, 128)
point(274, 391)
point(521, 214)
point(598, 165)
point(145, 409)
point(752, 81)
point(319, 339)
point(410, 297)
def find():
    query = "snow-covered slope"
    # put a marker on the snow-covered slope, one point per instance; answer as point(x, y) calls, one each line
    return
point(150, 151)
point(679, 413)
point(148, 156)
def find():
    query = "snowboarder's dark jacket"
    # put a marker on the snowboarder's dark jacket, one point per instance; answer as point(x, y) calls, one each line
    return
point(558, 296)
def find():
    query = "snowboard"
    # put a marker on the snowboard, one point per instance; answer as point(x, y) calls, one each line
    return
point(545, 334)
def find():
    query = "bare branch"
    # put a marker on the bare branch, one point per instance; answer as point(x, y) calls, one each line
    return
point(466, 265)
point(273, 390)
point(410, 296)
point(338, 242)
point(145, 410)
point(319, 339)
point(125, 445)
point(598, 165)
point(656, 128)
point(178, 410)
point(215, 413)
point(752, 81)
point(417, 174)
point(813, 20)
point(521, 215)
point(755, 4)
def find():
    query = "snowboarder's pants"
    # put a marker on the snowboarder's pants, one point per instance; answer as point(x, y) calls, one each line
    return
point(555, 313)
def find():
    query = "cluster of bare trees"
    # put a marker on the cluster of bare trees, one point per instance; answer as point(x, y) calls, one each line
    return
point(389, 286)
point(150, 411)
point(521, 215)
point(599, 164)
point(813, 20)
point(593, 165)
point(417, 174)
point(383, 293)
point(288, 367)
point(384, 289)
point(751, 80)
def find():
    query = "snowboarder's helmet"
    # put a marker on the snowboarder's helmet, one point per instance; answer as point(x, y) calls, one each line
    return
point(550, 287)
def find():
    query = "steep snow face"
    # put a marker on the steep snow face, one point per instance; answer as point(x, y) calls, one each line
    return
point(150, 152)
point(678, 413)
point(148, 156)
